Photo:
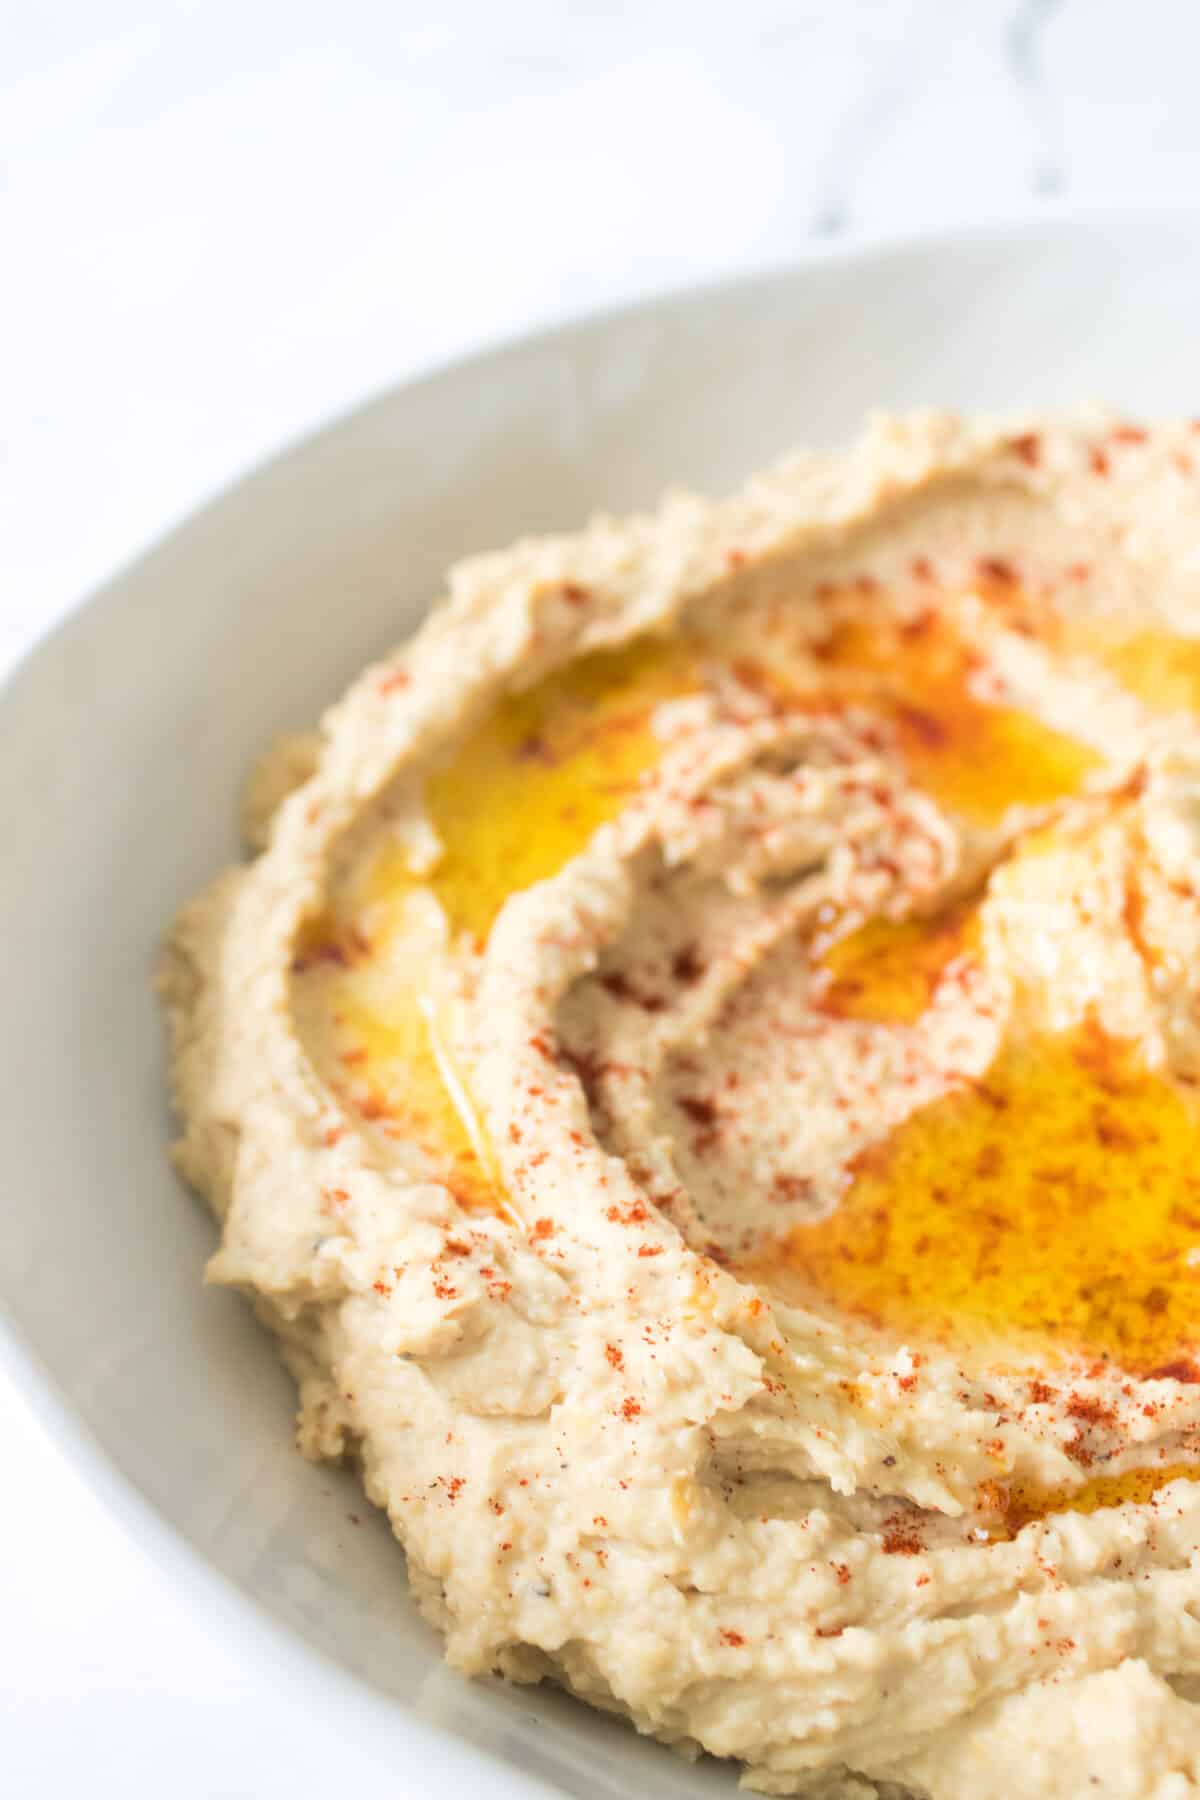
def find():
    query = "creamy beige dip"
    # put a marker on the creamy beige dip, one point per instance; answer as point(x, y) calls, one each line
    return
point(702, 1074)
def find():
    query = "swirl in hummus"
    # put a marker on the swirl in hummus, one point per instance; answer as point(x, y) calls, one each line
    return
point(701, 1074)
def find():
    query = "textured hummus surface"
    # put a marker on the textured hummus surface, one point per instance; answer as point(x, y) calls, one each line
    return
point(702, 1075)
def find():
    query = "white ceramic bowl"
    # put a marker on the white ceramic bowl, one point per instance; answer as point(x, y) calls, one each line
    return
point(125, 735)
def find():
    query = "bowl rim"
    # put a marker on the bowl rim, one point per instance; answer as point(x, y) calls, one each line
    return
point(1035, 218)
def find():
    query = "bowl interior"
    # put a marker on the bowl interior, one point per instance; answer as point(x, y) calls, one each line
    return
point(126, 734)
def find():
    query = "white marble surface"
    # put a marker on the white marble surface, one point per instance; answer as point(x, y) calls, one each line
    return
point(222, 221)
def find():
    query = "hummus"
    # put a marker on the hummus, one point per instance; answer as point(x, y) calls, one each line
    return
point(702, 1075)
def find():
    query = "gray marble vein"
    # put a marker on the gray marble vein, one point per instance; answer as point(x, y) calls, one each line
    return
point(1023, 43)
point(888, 76)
